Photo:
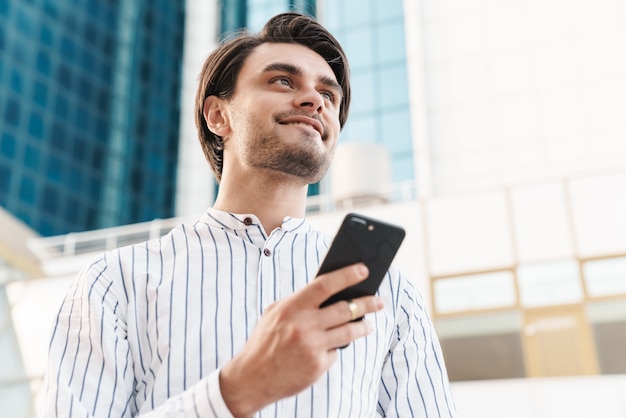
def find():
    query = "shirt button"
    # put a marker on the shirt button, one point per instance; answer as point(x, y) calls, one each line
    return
point(247, 221)
point(267, 252)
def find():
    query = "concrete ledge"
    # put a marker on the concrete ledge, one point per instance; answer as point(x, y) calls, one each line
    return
point(573, 397)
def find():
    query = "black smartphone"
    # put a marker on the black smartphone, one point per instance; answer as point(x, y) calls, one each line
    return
point(367, 240)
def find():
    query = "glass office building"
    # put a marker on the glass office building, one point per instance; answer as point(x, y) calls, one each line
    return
point(373, 35)
point(89, 99)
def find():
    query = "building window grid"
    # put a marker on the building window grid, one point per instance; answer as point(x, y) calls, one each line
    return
point(605, 326)
point(76, 76)
point(560, 214)
point(373, 22)
point(582, 278)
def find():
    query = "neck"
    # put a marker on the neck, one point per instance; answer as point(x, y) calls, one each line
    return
point(270, 199)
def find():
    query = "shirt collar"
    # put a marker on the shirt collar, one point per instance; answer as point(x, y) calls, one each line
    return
point(237, 221)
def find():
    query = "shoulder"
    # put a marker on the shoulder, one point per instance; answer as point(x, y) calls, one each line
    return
point(139, 255)
point(116, 269)
point(404, 296)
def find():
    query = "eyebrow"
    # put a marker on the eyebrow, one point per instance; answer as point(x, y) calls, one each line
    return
point(298, 71)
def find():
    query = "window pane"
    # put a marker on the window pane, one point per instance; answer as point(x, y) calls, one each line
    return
point(389, 9)
point(361, 128)
point(35, 125)
point(45, 35)
point(358, 46)
point(31, 157)
point(16, 82)
point(359, 12)
point(55, 167)
point(27, 190)
point(608, 319)
point(12, 113)
point(541, 227)
point(43, 63)
point(7, 145)
point(363, 85)
point(50, 201)
point(393, 86)
point(605, 277)
point(391, 45)
point(5, 179)
point(397, 131)
point(469, 233)
point(598, 214)
point(482, 346)
point(549, 283)
point(40, 94)
point(473, 292)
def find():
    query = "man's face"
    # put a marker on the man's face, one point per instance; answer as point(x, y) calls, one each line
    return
point(284, 113)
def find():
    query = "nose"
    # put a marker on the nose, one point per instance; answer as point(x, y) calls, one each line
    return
point(309, 97)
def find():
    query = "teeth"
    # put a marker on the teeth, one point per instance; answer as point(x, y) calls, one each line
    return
point(299, 123)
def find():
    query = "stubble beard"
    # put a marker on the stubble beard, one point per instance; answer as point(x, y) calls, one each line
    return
point(301, 158)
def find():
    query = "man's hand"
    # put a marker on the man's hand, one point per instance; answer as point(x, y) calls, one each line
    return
point(295, 342)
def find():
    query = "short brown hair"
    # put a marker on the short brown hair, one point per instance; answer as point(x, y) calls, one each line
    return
point(221, 69)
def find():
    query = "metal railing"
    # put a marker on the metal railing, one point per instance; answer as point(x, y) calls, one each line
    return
point(77, 243)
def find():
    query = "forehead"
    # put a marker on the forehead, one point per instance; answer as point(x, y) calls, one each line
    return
point(298, 55)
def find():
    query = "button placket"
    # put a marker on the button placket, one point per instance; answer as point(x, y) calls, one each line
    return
point(268, 269)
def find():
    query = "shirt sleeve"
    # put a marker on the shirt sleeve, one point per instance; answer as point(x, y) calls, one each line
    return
point(204, 399)
point(414, 377)
point(90, 369)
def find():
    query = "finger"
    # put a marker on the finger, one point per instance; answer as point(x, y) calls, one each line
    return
point(343, 311)
point(326, 285)
point(343, 335)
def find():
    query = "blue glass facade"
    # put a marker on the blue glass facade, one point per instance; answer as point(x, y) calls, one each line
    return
point(372, 34)
point(259, 11)
point(89, 111)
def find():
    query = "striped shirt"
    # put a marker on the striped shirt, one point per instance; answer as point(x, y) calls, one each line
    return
point(145, 329)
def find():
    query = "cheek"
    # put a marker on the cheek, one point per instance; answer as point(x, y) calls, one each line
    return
point(334, 119)
point(242, 119)
point(334, 127)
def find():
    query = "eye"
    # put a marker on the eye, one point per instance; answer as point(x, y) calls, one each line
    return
point(282, 81)
point(328, 96)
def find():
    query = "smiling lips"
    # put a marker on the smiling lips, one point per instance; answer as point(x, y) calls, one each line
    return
point(305, 120)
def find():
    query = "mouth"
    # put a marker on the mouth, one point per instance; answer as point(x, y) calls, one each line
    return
point(303, 120)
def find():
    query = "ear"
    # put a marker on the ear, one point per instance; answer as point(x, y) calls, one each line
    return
point(215, 116)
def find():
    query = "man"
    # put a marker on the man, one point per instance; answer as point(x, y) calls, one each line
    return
point(221, 318)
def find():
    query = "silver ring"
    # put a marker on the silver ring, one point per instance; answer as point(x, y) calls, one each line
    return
point(354, 310)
